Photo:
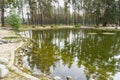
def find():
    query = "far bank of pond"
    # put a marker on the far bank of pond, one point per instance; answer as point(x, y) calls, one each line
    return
point(80, 53)
point(23, 28)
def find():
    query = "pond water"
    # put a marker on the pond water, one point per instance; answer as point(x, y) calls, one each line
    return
point(81, 54)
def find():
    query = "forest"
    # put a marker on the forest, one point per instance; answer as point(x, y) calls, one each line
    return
point(48, 12)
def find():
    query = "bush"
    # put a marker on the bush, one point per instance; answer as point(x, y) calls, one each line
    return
point(78, 25)
point(52, 26)
point(14, 21)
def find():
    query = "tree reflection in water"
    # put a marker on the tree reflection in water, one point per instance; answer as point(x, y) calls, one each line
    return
point(97, 53)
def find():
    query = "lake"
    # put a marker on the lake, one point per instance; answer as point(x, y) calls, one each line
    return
point(83, 54)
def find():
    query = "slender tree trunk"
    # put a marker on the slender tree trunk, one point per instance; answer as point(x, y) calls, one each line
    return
point(119, 12)
point(105, 21)
point(97, 20)
point(66, 13)
point(58, 20)
point(83, 17)
point(105, 24)
point(41, 19)
point(74, 21)
point(55, 20)
point(23, 16)
point(2, 14)
point(105, 16)
point(28, 17)
point(31, 11)
point(69, 18)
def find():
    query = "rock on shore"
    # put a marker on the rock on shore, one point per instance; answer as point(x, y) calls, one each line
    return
point(3, 71)
point(57, 78)
point(3, 61)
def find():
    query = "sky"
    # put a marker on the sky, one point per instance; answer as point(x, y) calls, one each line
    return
point(61, 2)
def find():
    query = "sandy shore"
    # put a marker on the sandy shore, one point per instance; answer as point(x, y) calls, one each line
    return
point(117, 27)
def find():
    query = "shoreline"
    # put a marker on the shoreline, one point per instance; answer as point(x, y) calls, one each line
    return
point(7, 55)
point(45, 28)
point(117, 28)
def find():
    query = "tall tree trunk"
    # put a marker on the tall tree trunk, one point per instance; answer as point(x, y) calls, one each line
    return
point(105, 21)
point(2, 14)
point(66, 13)
point(119, 12)
point(31, 11)
point(58, 20)
point(105, 24)
point(23, 16)
point(83, 17)
point(97, 20)
point(28, 18)
point(41, 19)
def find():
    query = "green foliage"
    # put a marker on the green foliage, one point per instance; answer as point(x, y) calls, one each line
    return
point(52, 26)
point(78, 25)
point(43, 79)
point(93, 11)
point(13, 20)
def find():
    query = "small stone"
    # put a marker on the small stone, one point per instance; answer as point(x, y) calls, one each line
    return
point(21, 51)
point(4, 41)
point(21, 68)
point(2, 66)
point(3, 61)
point(36, 73)
point(0, 42)
point(69, 78)
point(57, 78)
point(3, 71)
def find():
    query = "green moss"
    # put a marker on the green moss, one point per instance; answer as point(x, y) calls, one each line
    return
point(11, 37)
point(26, 71)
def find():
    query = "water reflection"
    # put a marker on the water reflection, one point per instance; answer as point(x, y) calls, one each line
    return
point(76, 53)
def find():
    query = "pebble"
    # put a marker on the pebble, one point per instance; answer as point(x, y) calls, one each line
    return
point(3, 71)
point(3, 61)
point(57, 78)
point(4, 41)
point(36, 73)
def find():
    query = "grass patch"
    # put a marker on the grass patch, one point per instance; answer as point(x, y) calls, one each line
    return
point(78, 25)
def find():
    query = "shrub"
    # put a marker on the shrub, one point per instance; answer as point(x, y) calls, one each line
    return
point(78, 25)
point(52, 25)
point(14, 21)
